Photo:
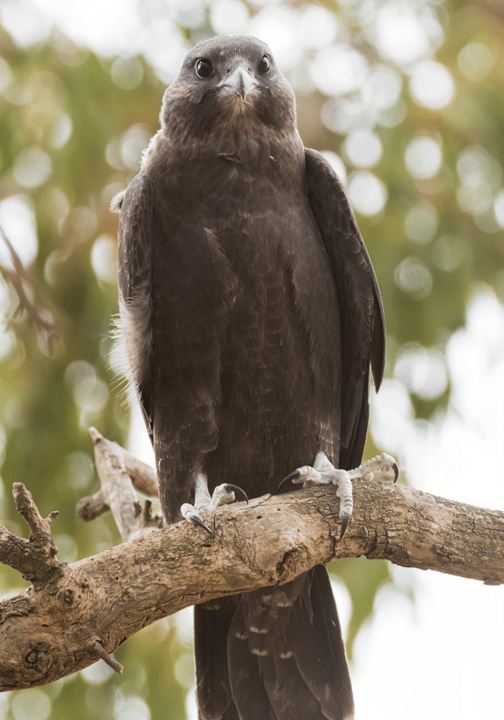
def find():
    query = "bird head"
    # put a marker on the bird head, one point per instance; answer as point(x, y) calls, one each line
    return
point(229, 85)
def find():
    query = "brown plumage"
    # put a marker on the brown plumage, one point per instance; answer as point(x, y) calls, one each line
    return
point(251, 316)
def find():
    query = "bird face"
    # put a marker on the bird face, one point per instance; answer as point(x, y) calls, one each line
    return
point(229, 85)
point(236, 68)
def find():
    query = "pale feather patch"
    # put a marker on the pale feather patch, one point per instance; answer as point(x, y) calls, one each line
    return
point(258, 630)
point(117, 201)
point(118, 364)
point(132, 333)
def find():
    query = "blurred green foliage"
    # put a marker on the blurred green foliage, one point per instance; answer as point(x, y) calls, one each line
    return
point(72, 128)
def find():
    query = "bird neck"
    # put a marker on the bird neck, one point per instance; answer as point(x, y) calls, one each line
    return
point(266, 152)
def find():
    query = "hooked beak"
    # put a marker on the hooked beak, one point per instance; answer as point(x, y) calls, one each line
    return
point(240, 83)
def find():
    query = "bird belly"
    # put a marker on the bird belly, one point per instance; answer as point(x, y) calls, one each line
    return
point(268, 417)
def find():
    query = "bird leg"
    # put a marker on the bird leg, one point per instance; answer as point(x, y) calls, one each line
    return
point(222, 495)
point(323, 472)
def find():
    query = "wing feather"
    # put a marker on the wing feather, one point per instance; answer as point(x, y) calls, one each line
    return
point(362, 324)
point(134, 263)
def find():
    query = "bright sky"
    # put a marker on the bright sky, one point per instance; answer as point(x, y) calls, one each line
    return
point(442, 656)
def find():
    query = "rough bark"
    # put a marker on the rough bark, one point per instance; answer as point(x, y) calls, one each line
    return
point(85, 610)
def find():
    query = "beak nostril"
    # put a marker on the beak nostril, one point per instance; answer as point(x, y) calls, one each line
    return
point(238, 81)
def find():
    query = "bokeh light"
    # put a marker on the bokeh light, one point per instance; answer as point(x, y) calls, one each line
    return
point(79, 469)
point(6, 76)
point(229, 17)
point(393, 116)
point(338, 69)
point(18, 221)
point(89, 392)
point(414, 277)
point(448, 252)
point(184, 670)
point(130, 707)
point(480, 176)
point(422, 370)
point(104, 258)
point(60, 207)
point(7, 341)
point(33, 167)
point(127, 72)
point(23, 22)
point(423, 157)
point(363, 148)
point(317, 27)
point(421, 222)
point(499, 208)
point(401, 37)
point(277, 26)
point(342, 115)
point(133, 143)
point(81, 222)
point(32, 704)
point(382, 87)
point(367, 193)
point(432, 85)
point(110, 28)
point(393, 415)
point(97, 674)
point(475, 61)
point(61, 131)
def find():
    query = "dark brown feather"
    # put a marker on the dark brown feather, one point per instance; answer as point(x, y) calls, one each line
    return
point(251, 317)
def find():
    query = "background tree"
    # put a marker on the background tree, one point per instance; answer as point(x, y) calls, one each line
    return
point(406, 98)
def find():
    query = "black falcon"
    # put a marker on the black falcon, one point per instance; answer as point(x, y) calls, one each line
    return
point(251, 318)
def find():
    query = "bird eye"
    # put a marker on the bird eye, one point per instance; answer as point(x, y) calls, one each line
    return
point(264, 65)
point(203, 68)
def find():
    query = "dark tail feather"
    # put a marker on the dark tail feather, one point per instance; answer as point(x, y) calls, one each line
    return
point(324, 648)
point(274, 654)
point(211, 628)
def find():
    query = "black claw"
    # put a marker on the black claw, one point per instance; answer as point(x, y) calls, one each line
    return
point(293, 476)
point(237, 490)
point(395, 468)
point(195, 520)
point(344, 524)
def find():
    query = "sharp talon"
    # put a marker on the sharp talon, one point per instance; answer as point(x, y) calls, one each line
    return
point(234, 488)
point(293, 476)
point(344, 524)
point(195, 520)
point(395, 468)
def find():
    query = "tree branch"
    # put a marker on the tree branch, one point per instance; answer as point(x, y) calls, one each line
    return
point(90, 607)
point(119, 473)
point(109, 454)
point(34, 558)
